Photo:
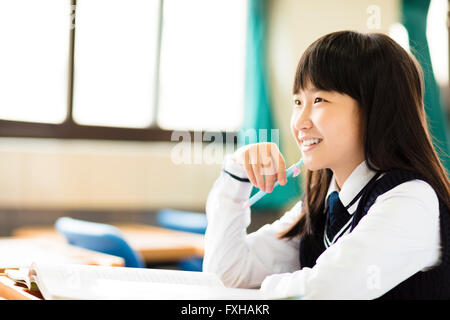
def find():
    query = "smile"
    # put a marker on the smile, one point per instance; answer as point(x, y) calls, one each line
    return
point(310, 145)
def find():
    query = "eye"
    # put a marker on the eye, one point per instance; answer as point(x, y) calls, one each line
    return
point(317, 100)
point(297, 102)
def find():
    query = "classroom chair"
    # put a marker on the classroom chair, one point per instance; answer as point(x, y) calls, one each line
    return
point(98, 237)
point(184, 221)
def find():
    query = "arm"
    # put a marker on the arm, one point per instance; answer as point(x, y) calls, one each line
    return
point(398, 237)
point(238, 258)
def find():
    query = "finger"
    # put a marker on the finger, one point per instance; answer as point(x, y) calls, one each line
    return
point(258, 176)
point(274, 152)
point(266, 152)
point(249, 169)
point(257, 170)
point(281, 174)
point(270, 171)
point(276, 169)
point(270, 181)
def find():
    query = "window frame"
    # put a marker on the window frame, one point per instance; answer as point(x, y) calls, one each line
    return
point(69, 129)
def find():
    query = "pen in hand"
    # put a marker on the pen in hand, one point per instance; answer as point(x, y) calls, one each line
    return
point(293, 171)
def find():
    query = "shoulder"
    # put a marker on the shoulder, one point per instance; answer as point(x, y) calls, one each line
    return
point(416, 189)
point(413, 199)
point(408, 215)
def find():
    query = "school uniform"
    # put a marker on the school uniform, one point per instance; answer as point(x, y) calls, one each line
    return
point(383, 248)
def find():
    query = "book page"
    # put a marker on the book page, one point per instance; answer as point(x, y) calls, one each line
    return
point(72, 281)
point(170, 291)
point(19, 276)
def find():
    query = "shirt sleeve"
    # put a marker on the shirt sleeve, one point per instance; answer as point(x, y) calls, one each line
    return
point(398, 237)
point(238, 258)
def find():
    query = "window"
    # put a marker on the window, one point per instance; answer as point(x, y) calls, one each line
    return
point(202, 65)
point(114, 70)
point(121, 69)
point(437, 36)
point(33, 60)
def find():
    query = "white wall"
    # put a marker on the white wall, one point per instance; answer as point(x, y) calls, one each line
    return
point(71, 174)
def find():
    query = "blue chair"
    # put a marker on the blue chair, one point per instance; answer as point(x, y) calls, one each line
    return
point(184, 221)
point(98, 237)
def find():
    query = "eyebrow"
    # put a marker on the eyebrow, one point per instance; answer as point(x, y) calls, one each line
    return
point(310, 90)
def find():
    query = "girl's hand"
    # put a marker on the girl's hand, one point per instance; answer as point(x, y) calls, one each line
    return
point(263, 163)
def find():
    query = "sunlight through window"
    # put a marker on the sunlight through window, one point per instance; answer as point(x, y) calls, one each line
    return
point(202, 65)
point(115, 61)
point(34, 60)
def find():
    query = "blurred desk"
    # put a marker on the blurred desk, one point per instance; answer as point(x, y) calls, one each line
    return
point(45, 244)
point(23, 252)
point(9, 290)
point(155, 244)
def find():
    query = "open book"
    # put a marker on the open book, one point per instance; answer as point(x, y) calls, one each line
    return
point(85, 282)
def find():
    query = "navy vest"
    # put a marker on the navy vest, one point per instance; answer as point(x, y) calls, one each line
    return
point(431, 284)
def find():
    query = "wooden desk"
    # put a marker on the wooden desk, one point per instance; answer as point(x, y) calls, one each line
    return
point(22, 252)
point(9, 290)
point(16, 252)
point(155, 244)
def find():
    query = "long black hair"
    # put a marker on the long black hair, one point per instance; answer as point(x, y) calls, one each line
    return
point(387, 83)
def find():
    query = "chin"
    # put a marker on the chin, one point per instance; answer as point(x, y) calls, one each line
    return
point(313, 168)
point(307, 164)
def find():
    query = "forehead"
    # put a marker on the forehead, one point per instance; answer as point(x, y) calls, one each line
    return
point(309, 90)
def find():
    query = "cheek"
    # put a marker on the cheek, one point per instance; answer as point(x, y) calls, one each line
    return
point(345, 135)
point(292, 125)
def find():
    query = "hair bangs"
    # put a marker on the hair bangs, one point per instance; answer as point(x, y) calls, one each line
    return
point(327, 65)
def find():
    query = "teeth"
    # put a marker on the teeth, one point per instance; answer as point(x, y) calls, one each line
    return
point(311, 141)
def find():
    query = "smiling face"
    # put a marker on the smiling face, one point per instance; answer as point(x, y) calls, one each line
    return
point(334, 119)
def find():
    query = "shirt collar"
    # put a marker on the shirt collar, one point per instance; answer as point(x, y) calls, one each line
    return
point(357, 180)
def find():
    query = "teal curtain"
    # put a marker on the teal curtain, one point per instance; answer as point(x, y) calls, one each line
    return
point(257, 115)
point(414, 18)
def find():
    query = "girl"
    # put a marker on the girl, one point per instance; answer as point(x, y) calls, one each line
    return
point(373, 221)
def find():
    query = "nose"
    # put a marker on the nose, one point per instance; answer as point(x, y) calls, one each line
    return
point(301, 119)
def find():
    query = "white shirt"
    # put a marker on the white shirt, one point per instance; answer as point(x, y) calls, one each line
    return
point(398, 236)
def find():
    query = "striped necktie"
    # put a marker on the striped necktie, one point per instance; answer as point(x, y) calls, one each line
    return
point(337, 220)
